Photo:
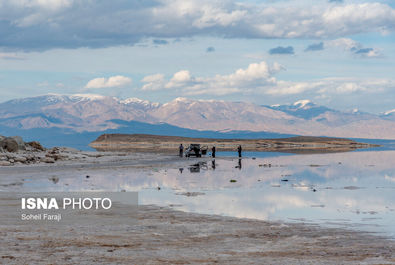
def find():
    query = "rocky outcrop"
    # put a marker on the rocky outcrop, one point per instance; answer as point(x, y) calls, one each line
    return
point(21, 144)
point(28, 157)
point(36, 145)
point(14, 151)
point(9, 144)
point(15, 144)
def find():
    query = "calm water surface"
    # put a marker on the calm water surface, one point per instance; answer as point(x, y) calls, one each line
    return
point(354, 190)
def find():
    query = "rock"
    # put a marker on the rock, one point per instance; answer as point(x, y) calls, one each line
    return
point(57, 157)
point(47, 160)
point(30, 157)
point(36, 145)
point(54, 150)
point(73, 150)
point(21, 159)
point(9, 144)
point(11, 160)
point(10, 156)
point(54, 179)
point(20, 142)
point(5, 163)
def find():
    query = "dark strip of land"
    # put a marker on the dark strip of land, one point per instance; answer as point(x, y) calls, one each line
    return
point(159, 143)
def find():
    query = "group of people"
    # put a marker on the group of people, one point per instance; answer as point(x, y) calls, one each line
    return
point(213, 150)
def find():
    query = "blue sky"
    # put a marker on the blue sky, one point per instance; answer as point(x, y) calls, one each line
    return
point(336, 53)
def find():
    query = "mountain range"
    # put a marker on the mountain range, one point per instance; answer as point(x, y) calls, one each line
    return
point(86, 113)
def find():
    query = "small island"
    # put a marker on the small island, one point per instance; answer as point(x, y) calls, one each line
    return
point(160, 143)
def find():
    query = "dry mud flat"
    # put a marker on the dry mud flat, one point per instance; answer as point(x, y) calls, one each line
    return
point(163, 236)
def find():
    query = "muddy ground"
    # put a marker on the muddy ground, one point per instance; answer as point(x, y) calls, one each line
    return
point(165, 236)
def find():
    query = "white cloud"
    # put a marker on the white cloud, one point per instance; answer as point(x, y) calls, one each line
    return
point(344, 43)
point(368, 52)
point(349, 88)
point(354, 17)
point(114, 81)
point(11, 56)
point(70, 24)
point(291, 88)
point(354, 47)
point(36, 11)
point(217, 16)
point(153, 82)
point(255, 76)
point(46, 4)
point(258, 79)
point(179, 79)
point(354, 85)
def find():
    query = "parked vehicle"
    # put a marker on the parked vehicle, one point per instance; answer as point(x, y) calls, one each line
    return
point(196, 150)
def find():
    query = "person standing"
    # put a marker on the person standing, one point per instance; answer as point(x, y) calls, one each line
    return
point(213, 151)
point(239, 150)
point(181, 149)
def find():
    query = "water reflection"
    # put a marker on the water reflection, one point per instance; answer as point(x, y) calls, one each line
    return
point(356, 188)
point(195, 168)
point(239, 164)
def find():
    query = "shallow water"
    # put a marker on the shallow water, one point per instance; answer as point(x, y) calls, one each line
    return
point(354, 190)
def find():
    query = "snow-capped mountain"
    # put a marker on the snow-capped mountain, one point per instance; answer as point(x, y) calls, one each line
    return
point(94, 113)
point(219, 115)
point(390, 112)
point(304, 109)
point(389, 115)
point(139, 103)
point(77, 112)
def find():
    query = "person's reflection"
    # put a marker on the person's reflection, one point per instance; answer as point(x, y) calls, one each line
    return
point(239, 164)
point(213, 164)
point(181, 169)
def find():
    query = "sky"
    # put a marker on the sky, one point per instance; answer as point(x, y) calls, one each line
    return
point(340, 54)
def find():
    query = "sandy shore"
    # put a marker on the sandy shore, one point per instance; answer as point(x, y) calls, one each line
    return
point(165, 236)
